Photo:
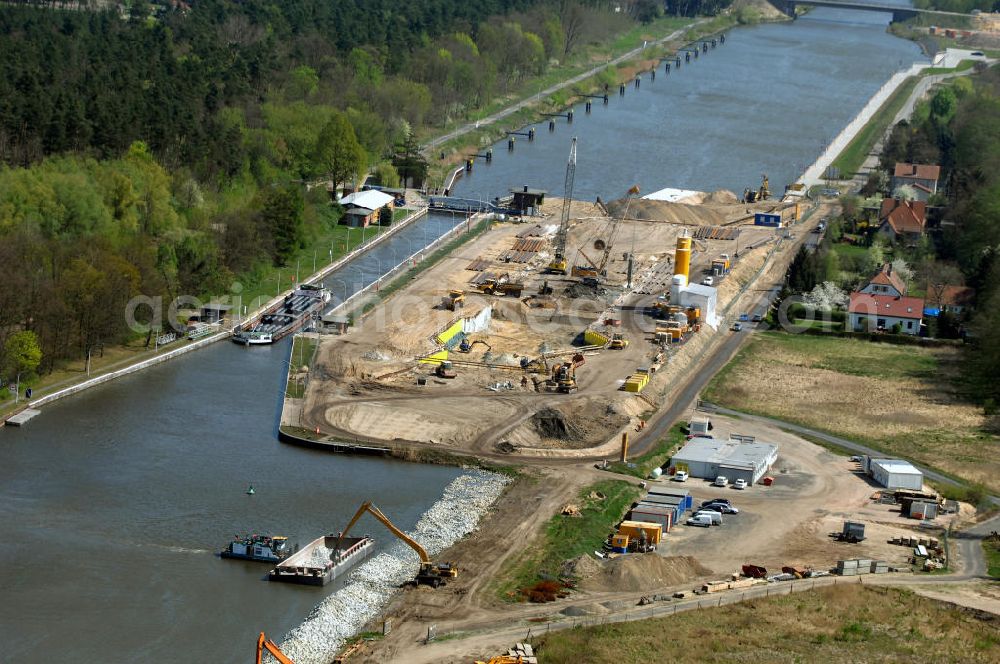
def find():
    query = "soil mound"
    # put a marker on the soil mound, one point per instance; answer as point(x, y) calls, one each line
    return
point(643, 572)
point(678, 213)
point(721, 197)
point(551, 423)
point(760, 10)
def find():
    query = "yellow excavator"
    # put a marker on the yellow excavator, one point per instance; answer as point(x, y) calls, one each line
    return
point(264, 643)
point(762, 194)
point(430, 574)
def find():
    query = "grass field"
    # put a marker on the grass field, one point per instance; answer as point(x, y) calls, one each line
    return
point(900, 399)
point(991, 548)
point(643, 465)
point(837, 624)
point(849, 161)
point(567, 537)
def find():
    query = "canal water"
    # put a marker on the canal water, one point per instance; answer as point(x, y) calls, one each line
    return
point(768, 101)
point(113, 503)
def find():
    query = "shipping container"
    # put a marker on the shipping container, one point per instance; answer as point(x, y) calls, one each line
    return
point(635, 530)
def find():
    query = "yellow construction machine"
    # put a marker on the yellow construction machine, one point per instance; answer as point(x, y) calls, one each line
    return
point(264, 643)
point(762, 194)
point(430, 574)
point(454, 301)
point(503, 659)
point(564, 377)
point(618, 342)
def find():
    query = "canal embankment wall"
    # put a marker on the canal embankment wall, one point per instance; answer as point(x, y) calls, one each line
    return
point(226, 333)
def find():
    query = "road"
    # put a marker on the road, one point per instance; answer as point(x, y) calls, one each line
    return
point(524, 103)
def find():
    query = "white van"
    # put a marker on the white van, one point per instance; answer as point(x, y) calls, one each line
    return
point(715, 517)
point(701, 520)
point(680, 476)
point(720, 481)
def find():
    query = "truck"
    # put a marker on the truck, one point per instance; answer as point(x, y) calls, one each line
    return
point(852, 532)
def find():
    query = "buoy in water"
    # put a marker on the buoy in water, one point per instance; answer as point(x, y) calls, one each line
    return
point(250, 490)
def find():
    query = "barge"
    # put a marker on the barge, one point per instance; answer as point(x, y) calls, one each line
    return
point(318, 563)
point(261, 548)
point(285, 317)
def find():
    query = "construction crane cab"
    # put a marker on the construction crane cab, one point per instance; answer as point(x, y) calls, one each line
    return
point(454, 301)
point(564, 376)
point(558, 264)
point(264, 643)
point(596, 269)
point(430, 574)
point(618, 342)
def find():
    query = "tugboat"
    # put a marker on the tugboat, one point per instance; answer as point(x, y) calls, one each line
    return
point(262, 548)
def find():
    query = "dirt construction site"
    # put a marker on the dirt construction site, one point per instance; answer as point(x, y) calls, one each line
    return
point(484, 376)
point(516, 324)
point(789, 523)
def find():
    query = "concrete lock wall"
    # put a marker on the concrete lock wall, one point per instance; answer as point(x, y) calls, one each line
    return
point(478, 323)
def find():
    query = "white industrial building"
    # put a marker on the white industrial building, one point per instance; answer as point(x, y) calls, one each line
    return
point(896, 474)
point(703, 297)
point(739, 458)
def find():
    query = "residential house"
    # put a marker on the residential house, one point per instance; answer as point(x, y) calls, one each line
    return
point(902, 221)
point(884, 312)
point(922, 177)
point(885, 282)
point(953, 299)
point(362, 208)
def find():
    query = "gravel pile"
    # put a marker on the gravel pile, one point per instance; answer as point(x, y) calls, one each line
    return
point(376, 356)
point(372, 584)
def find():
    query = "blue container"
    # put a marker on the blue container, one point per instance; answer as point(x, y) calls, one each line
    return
point(619, 549)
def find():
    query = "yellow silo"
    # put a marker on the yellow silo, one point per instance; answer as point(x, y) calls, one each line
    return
point(682, 257)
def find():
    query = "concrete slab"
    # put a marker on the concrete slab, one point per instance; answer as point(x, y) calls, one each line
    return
point(22, 418)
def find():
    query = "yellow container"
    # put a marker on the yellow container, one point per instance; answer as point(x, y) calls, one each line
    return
point(634, 530)
point(620, 540)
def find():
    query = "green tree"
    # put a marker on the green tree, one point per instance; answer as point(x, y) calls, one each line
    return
point(282, 214)
point(22, 354)
point(387, 174)
point(337, 152)
point(409, 162)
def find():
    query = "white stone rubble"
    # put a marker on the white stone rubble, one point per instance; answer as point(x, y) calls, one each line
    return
point(370, 587)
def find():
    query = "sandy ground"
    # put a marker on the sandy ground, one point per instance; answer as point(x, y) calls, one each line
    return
point(365, 384)
point(786, 524)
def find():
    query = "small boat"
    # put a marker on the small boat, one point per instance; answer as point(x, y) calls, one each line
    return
point(263, 548)
point(250, 491)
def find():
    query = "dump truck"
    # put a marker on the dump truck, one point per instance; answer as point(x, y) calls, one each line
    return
point(501, 285)
point(454, 301)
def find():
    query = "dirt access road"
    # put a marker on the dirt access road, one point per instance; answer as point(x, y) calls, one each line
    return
point(787, 523)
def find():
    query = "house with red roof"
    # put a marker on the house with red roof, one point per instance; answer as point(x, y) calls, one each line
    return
point(868, 312)
point(953, 299)
point(922, 177)
point(902, 221)
point(885, 282)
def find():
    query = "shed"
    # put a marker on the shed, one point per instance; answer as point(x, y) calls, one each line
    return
point(742, 458)
point(527, 199)
point(358, 217)
point(896, 474)
point(213, 312)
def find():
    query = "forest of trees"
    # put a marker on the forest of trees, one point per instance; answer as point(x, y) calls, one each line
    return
point(161, 148)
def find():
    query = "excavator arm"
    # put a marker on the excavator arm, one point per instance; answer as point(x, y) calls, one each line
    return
point(377, 513)
point(264, 643)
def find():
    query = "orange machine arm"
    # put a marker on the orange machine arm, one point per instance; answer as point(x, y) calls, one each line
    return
point(264, 643)
point(377, 513)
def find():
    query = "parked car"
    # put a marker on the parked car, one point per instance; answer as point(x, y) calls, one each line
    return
point(715, 517)
point(707, 281)
point(724, 501)
point(737, 327)
point(702, 521)
point(757, 318)
point(744, 317)
point(680, 476)
point(740, 484)
point(719, 507)
point(856, 457)
point(721, 481)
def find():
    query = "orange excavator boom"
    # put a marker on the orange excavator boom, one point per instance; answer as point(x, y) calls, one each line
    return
point(264, 643)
